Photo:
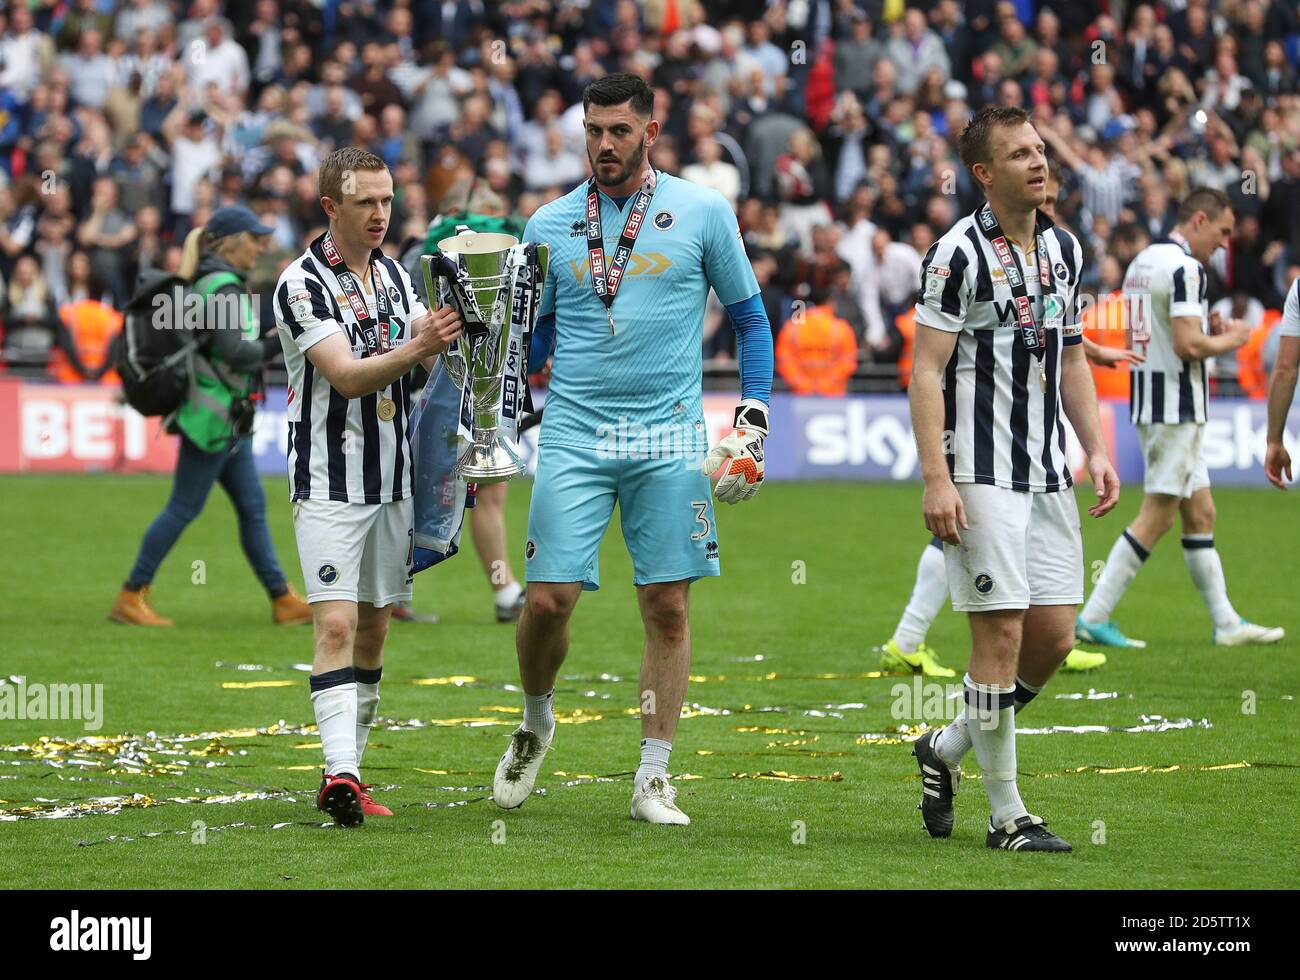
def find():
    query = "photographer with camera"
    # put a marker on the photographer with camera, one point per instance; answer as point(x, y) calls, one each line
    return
point(216, 418)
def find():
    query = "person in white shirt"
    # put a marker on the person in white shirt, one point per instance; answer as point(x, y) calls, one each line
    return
point(216, 59)
point(710, 170)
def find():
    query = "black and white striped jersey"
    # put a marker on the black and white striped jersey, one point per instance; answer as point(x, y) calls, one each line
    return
point(339, 448)
point(1162, 282)
point(1001, 427)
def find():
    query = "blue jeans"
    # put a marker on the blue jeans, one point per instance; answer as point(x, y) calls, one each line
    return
point(196, 471)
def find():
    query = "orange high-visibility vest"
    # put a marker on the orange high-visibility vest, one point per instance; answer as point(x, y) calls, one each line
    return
point(1252, 375)
point(93, 326)
point(816, 354)
point(1106, 324)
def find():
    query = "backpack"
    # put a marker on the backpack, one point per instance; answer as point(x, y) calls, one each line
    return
point(154, 362)
point(158, 341)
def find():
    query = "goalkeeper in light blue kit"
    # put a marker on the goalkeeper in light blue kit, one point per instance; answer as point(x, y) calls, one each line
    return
point(634, 253)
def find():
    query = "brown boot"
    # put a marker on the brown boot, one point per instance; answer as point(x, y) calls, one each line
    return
point(290, 609)
point(133, 609)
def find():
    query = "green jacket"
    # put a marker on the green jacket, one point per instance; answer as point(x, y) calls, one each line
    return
point(226, 361)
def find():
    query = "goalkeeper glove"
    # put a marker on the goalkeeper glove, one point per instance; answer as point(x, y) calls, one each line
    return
point(742, 452)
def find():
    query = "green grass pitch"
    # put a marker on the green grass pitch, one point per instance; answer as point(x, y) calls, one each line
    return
point(814, 575)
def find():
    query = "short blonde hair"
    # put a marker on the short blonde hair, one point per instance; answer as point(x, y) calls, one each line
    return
point(340, 163)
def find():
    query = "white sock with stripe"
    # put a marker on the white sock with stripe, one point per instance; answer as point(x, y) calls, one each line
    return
point(992, 727)
point(928, 596)
point(953, 741)
point(334, 701)
point(367, 705)
point(1207, 572)
point(1122, 564)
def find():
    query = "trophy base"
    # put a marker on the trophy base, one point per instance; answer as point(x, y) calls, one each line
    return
point(494, 461)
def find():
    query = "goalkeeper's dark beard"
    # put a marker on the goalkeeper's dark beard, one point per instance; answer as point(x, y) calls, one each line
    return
point(633, 166)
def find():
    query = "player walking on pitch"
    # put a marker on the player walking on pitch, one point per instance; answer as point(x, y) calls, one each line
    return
point(998, 354)
point(634, 253)
point(906, 649)
point(352, 329)
point(1165, 288)
point(1281, 388)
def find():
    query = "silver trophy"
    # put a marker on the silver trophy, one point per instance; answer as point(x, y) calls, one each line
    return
point(495, 283)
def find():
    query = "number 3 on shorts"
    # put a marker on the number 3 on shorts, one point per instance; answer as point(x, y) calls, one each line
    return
point(701, 508)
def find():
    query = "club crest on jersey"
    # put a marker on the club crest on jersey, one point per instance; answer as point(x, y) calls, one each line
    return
point(530, 549)
point(328, 574)
point(664, 220)
point(1061, 271)
point(983, 583)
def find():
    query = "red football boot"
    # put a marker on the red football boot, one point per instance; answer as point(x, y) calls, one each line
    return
point(371, 808)
point(340, 797)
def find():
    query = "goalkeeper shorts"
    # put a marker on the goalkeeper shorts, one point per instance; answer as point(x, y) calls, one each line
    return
point(665, 508)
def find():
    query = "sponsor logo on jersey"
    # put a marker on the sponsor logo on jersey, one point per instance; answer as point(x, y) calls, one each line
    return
point(711, 551)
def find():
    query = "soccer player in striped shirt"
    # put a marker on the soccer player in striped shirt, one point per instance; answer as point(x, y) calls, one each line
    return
point(998, 355)
point(1165, 288)
point(1281, 389)
point(352, 330)
point(906, 650)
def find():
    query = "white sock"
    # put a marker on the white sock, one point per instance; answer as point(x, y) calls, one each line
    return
point(1025, 692)
point(1126, 557)
point(953, 741)
point(928, 595)
point(992, 727)
point(1207, 572)
point(654, 760)
point(539, 714)
point(507, 595)
point(336, 721)
point(367, 706)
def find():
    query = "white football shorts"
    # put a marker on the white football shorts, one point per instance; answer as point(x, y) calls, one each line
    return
point(358, 552)
point(1172, 453)
point(1021, 549)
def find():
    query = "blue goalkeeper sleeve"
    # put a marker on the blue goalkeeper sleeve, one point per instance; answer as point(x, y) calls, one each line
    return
point(542, 344)
point(753, 348)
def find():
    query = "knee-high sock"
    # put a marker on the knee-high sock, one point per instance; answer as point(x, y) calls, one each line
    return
point(992, 727)
point(953, 741)
point(334, 700)
point(1126, 557)
point(1207, 572)
point(928, 595)
point(367, 705)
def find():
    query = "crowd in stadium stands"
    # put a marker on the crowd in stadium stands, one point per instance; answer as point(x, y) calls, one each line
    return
point(829, 124)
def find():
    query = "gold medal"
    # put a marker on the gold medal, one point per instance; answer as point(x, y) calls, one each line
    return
point(387, 409)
